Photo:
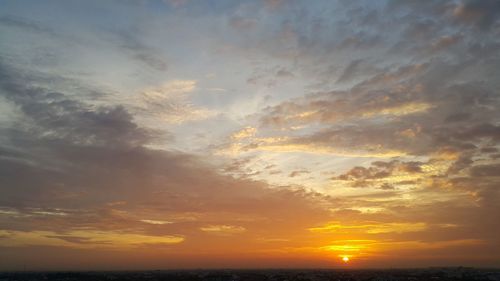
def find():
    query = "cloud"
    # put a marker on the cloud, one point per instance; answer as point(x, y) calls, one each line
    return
point(156, 222)
point(283, 73)
point(371, 228)
point(445, 42)
point(353, 70)
point(21, 23)
point(485, 170)
point(137, 48)
point(172, 90)
point(368, 99)
point(244, 24)
point(52, 116)
point(83, 238)
point(176, 3)
point(223, 229)
point(380, 169)
point(480, 13)
point(171, 103)
point(298, 173)
point(244, 133)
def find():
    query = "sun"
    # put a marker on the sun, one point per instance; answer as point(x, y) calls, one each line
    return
point(345, 259)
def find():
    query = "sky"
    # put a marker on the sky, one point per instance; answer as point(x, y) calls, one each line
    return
point(149, 134)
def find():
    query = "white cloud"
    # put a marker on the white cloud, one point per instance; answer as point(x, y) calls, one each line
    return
point(171, 103)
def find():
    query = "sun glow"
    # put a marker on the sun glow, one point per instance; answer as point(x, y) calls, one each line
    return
point(345, 259)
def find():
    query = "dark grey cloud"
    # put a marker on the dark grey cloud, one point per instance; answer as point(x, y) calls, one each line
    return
point(480, 13)
point(283, 73)
point(485, 170)
point(55, 116)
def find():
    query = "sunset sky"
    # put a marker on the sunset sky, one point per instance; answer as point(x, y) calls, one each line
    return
point(150, 134)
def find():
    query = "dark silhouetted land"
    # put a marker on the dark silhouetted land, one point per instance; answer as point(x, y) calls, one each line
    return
point(442, 274)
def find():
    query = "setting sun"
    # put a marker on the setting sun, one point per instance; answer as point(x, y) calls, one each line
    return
point(345, 259)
